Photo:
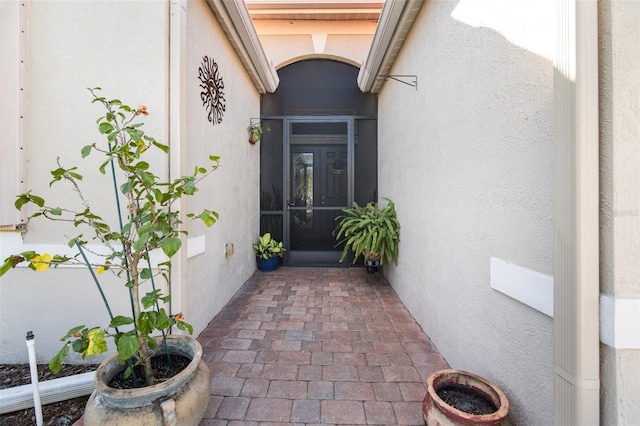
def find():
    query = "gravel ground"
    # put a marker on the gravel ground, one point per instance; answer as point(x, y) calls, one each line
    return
point(63, 413)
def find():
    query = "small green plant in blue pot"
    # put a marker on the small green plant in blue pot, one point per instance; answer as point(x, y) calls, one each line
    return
point(268, 252)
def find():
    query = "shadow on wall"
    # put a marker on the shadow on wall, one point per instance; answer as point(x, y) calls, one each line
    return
point(476, 183)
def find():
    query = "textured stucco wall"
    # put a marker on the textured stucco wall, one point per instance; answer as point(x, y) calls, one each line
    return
point(124, 48)
point(619, 84)
point(232, 190)
point(72, 46)
point(467, 157)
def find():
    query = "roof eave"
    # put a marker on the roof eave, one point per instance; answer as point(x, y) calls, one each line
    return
point(396, 19)
point(236, 23)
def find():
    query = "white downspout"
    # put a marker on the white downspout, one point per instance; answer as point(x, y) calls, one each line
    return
point(576, 216)
point(177, 135)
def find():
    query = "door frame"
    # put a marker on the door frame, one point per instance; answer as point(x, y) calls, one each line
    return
point(314, 258)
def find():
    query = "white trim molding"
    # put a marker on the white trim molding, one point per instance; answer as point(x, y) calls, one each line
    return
point(524, 285)
point(236, 22)
point(13, 117)
point(620, 322)
point(396, 19)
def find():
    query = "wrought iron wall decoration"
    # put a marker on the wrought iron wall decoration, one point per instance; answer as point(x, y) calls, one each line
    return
point(212, 95)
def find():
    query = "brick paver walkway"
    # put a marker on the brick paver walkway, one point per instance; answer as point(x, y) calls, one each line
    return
point(316, 346)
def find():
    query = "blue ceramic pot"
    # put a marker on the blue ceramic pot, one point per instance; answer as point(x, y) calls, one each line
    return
point(270, 264)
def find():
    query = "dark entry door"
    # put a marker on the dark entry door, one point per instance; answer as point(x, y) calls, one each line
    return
point(320, 185)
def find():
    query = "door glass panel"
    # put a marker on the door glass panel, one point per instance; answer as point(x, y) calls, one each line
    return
point(302, 187)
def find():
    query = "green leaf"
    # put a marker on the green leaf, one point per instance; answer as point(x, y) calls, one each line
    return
point(142, 165)
point(189, 188)
point(86, 150)
point(162, 321)
point(164, 148)
point(185, 326)
point(138, 245)
point(146, 322)
point(208, 217)
point(120, 321)
point(55, 365)
point(127, 372)
point(105, 128)
point(72, 331)
point(103, 166)
point(153, 345)
point(127, 345)
point(28, 198)
point(170, 246)
point(150, 298)
point(125, 187)
point(145, 274)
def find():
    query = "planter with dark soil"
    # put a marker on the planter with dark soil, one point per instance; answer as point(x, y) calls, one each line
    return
point(179, 399)
point(456, 397)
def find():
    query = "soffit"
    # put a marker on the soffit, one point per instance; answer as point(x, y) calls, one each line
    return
point(238, 27)
point(323, 10)
point(396, 19)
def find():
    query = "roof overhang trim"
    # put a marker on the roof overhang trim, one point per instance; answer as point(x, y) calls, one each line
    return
point(396, 19)
point(236, 23)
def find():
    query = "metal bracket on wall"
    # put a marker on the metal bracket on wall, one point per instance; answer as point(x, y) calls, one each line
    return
point(409, 80)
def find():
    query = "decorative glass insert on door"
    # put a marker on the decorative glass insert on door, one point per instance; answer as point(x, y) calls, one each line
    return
point(302, 166)
point(319, 188)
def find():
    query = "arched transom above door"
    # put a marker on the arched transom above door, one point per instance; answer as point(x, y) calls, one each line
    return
point(320, 29)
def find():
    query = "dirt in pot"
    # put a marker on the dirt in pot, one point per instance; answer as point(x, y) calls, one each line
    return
point(163, 369)
point(465, 399)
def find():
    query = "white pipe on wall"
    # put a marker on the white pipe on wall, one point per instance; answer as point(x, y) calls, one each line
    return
point(33, 368)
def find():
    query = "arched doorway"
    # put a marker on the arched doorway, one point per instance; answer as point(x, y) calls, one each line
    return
point(319, 157)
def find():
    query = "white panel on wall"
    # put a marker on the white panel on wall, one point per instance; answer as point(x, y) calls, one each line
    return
point(529, 287)
point(620, 322)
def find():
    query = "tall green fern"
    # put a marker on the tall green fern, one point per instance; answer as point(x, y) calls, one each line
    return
point(369, 231)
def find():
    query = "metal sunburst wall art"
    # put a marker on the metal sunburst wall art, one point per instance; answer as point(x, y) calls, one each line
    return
point(212, 95)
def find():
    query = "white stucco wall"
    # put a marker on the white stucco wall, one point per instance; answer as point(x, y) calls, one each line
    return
point(72, 46)
point(467, 157)
point(124, 48)
point(619, 62)
point(232, 190)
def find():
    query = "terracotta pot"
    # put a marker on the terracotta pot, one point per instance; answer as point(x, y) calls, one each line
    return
point(180, 400)
point(437, 412)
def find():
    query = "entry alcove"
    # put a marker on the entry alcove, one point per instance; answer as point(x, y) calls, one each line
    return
point(320, 157)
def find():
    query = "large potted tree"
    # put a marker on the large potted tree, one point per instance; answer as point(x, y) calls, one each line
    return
point(370, 231)
point(154, 377)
